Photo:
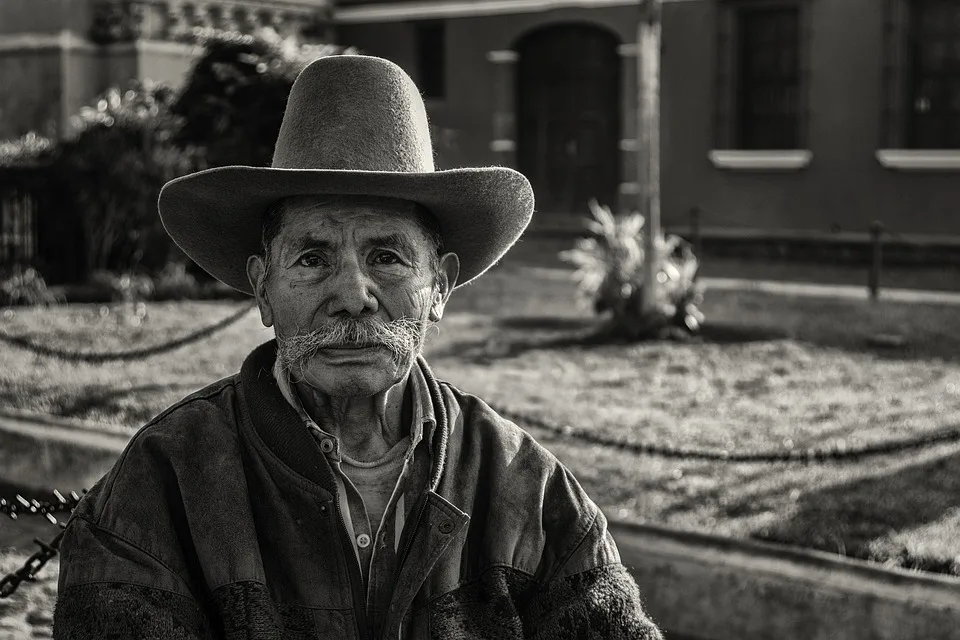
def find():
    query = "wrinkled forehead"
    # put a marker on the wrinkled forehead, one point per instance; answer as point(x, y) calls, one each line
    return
point(338, 216)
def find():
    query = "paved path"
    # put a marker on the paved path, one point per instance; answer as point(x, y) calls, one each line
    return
point(846, 291)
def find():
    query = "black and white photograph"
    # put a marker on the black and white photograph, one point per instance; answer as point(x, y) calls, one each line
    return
point(480, 319)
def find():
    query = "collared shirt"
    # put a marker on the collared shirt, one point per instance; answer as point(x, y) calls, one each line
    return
point(376, 551)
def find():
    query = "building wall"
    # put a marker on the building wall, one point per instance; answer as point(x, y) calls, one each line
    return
point(843, 188)
point(30, 82)
point(465, 117)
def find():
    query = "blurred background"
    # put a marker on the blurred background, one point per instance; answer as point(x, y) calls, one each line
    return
point(801, 263)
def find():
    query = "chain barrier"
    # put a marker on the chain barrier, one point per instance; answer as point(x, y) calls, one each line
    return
point(837, 453)
point(133, 354)
point(48, 550)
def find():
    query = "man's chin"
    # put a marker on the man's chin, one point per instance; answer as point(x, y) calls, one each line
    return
point(353, 372)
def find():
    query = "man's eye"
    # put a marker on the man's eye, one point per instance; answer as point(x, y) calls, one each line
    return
point(310, 260)
point(386, 257)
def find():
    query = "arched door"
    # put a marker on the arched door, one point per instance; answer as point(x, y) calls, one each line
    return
point(568, 116)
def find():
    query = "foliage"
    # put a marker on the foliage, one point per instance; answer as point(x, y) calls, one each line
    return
point(25, 150)
point(235, 93)
point(122, 287)
point(175, 283)
point(19, 286)
point(112, 172)
point(610, 274)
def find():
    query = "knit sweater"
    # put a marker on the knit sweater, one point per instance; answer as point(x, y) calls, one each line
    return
point(219, 521)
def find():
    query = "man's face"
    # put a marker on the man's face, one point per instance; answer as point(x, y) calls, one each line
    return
point(347, 263)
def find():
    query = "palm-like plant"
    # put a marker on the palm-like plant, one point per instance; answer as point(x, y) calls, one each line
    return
point(610, 275)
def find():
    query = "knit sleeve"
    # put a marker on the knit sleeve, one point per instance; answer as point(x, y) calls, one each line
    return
point(111, 589)
point(592, 595)
point(603, 602)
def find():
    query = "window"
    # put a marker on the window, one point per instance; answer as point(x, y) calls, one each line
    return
point(761, 80)
point(768, 88)
point(933, 71)
point(431, 58)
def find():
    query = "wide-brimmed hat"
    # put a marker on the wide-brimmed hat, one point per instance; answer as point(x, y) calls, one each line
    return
point(354, 125)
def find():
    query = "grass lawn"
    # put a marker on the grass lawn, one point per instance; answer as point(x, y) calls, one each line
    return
point(770, 372)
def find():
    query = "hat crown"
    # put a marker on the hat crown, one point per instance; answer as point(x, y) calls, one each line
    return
point(354, 113)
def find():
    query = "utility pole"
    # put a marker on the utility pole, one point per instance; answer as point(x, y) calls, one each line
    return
point(648, 148)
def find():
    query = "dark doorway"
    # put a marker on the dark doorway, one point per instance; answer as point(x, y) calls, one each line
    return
point(568, 116)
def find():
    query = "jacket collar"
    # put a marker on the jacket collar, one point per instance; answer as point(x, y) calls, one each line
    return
point(276, 421)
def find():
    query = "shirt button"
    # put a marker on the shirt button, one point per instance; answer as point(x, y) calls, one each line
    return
point(446, 526)
point(363, 541)
point(326, 445)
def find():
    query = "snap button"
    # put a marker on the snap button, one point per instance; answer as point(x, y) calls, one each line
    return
point(446, 526)
point(323, 509)
point(326, 445)
point(363, 541)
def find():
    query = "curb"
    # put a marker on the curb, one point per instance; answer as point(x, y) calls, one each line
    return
point(715, 588)
point(693, 584)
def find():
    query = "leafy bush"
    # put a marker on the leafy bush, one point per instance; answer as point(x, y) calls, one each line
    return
point(610, 275)
point(25, 150)
point(233, 99)
point(175, 283)
point(121, 287)
point(112, 172)
point(19, 286)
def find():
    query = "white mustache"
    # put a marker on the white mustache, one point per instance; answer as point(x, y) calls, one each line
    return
point(401, 337)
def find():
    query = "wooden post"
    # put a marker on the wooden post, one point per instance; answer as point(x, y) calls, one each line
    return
point(695, 237)
point(648, 149)
point(876, 263)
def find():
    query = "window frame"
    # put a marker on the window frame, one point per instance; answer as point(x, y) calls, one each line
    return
point(727, 104)
point(425, 84)
point(894, 150)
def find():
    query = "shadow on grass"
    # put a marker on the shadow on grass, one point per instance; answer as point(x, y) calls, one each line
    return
point(516, 335)
point(106, 400)
point(857, 518)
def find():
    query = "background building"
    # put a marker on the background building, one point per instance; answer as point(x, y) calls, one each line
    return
point(782, 116)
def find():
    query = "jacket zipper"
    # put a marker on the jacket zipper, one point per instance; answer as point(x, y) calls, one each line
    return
point(358, 598)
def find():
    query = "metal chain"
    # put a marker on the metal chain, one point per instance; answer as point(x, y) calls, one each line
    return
point(837, 453)
point(133, 354)
point(48, 550)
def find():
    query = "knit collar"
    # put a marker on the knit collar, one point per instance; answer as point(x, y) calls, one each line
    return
point(276, 421)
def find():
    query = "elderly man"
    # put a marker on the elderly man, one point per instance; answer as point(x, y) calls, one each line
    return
point(333, 488)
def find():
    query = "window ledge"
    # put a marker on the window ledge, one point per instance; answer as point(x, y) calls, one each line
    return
point(775, 160)
point(919, 159)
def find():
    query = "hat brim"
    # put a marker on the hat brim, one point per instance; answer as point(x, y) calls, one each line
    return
point(215, 215)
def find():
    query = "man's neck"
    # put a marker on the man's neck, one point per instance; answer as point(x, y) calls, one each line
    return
point(367, 427)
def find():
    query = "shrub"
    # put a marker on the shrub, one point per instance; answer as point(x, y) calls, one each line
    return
point(233, 99)
point(19, 286)
point(610, 275)
point(122, 287)
point(112, 171)
point(175, 283)
point(26, 150)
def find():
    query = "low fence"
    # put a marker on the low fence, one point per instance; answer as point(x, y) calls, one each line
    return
point(876, 247)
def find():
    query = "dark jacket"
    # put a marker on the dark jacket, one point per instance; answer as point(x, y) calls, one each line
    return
point(219, 521)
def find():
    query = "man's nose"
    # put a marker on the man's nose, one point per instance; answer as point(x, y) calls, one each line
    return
point(351, 290)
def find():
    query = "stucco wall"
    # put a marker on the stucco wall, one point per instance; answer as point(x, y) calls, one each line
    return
point(844, 186)
point(30, 83)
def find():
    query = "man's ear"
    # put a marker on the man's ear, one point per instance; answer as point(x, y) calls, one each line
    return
point(446, 281)
point(257, 274)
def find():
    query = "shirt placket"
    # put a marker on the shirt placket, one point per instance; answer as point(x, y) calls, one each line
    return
point(351, 503)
